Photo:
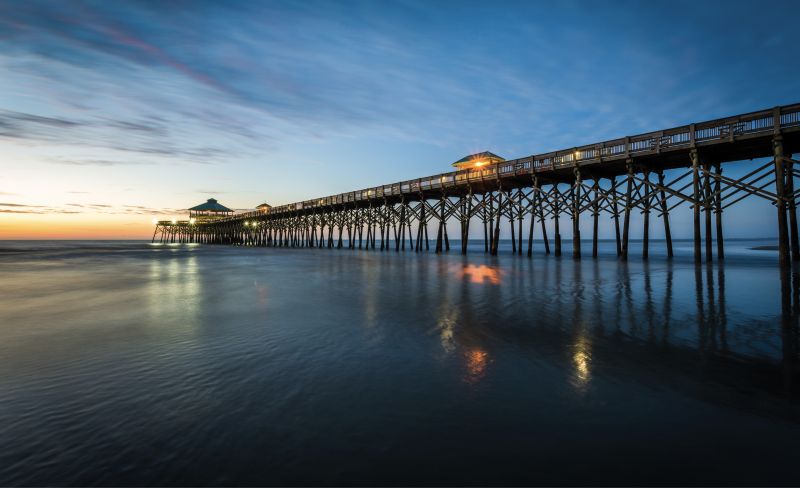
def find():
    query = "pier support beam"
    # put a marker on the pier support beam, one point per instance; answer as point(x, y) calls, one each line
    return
point(707, 203)
point(665, 215)
point(487, 215)
point(557, 211)
point(496, 235)
point(520, 215)
point(718, 211)
point(627, 221)
point(780, 203)
point(696, 203)
point(576, 213)
point(615, 206)
point(539, 208)
point(510, 205)
point(646, 219)
point(440, 231)
point(595, 216)
point(532, 225)
point(793, 234)
point(466, 214)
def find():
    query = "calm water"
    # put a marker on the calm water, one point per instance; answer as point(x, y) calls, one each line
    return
point(126, 363)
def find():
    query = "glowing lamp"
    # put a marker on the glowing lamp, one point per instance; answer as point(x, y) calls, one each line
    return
point(174, 221)
point(192, 221)
point(155, 221)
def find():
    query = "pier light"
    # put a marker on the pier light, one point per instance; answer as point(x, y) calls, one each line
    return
point(192, 221)
point(577, 154)
point(174, 221)
point(246, 224)
point(155, 221)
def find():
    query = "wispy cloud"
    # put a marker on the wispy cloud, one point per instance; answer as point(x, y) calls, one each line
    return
point(95, 162)
point(78, 208)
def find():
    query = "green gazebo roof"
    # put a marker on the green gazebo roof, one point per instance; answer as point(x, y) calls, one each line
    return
point(211, 206)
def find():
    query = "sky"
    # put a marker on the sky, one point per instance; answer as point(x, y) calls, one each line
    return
point(113, 113)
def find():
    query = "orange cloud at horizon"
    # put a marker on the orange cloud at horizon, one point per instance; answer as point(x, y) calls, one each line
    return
point(22, 226)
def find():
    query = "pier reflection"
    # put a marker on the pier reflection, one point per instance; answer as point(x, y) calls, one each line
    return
point(685, 324)
point(480, 274)
point(175, 281)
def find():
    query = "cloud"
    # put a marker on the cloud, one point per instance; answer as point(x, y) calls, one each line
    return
point(78, 208)
point(94, 162)
point(285, 69)
point(14, 211)
point(89, 205)
point(19, 208)
point(146, 140)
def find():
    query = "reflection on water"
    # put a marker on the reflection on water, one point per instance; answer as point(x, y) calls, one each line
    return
point(136, 364)
point(481, 274)
point(581, 357)
point(477, 360)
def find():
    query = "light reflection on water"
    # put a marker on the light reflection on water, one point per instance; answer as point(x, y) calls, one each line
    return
point(130, 363)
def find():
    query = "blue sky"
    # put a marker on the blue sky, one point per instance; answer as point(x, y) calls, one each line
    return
point(117, 110)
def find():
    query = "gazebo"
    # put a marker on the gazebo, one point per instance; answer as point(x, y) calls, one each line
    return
point(478, 160)
point(210, 210)
point(264, 207)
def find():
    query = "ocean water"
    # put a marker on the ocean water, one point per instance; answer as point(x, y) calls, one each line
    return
point(126, 363)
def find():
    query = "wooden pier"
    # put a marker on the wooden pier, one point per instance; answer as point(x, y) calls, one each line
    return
point(614, 178)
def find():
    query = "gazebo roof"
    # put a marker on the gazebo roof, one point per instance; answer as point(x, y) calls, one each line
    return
point(211, 206)
point(479, 156)
point(264, 205)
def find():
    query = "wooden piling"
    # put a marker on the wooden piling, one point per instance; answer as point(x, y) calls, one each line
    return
point(557, 230)
point(615, 207)
point(539, 206)
point(627, 220)
point(665, 215)
point(510, 204)
point(696, 202)
point(576, 213)
point(520, 214)
point(718, 211)
point(780, 190)
point(789, 190)
point(496, 235)
point(708, 201)
point(595, 215)
point(532, 225)
point(646, 217)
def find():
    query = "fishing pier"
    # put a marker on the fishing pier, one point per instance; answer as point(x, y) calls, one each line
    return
point(612, 178)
